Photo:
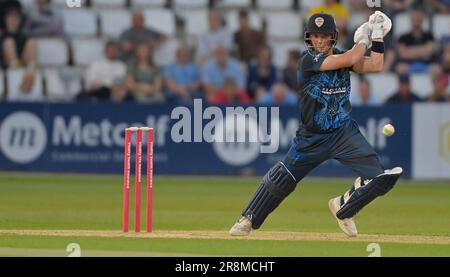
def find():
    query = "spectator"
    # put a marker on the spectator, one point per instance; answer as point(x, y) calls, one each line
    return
point(182, 78)
point(365, 97)
point(143, 79)
point(446, 58)
point(119, 92)
point(100, 75)
point(216, 36)
point(5, 6)
point(220, 68)
point(440, 84)
point(417, 47)
point(404, 94)
point(137, 34)
point(44, 20)
point(337, 10)
point(440, 6)
point(17, 49)
point(262, 74)
point(278, 96)
point(290, 72)
point(231, 94)
point(247, 39)
point(394, 7)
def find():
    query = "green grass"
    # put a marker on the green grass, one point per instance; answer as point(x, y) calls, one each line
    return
point(88, 202)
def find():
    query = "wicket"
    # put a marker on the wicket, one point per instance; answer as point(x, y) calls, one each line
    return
point(138, 178)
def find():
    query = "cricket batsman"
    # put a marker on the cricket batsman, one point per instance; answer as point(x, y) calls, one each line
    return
point(326, 129)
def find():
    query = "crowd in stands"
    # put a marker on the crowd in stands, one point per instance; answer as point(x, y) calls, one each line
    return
point(232, 60)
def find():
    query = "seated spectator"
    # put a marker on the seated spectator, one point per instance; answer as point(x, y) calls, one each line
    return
point(440, 6)
point(218, 69)
point(417, 47)
point(119, 92)
point(182, 78)
point(44, 20)
point(446, 58)
point(5, 6)
point(404, 94)
point(365, 97)
point(100, 75)
point(290, 71)
point(440, 85)
point(230, 94)
point(17, 48)
point(216, 36)
point(262, 74)
point(278, 96)
point(337, 10)
point(143, 78)
point(247, 39)
point(137, 34)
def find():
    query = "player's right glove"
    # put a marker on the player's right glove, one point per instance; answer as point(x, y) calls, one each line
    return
point(380, 25)
point(362, 35)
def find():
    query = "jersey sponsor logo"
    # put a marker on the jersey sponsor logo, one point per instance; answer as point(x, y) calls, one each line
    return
point(331, 91)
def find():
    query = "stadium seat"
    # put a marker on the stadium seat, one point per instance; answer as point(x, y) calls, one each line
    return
point(80, 22)
point(108, 3)
point(14, 79)
point(356, 20)
point(277, 22)
point(421, 84)
point(280, 51)
point(63, 3)
point(148, 3)
point(274, 5)
point(2, 85)
point(161, 20)
point(384, 85)
point(234, 4)
point(52, 52)
point(354, 78)
point(63, 84)
point(441, 26)
point(114, 21)
point(232, 19)
point(85, 51)
point(166, 53)
point(196, 21)
point(190, 4)
point(402, 24)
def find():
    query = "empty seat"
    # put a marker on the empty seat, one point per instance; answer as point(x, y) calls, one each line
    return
point(421, 84)
point(190, 4)
point(274, 5)
point(86, 51)
point(402, 24)
point(109, 3)
point(196, 21)
point(284, 26)
point(114, 22)
point(14, 79)
point(232, 19)
point(63, 84)
point(63, 3)
point(166, 53)
point(384, 85)
point(280, 51)
point(161, 20)
point(441, 26)
point(80, 22)
point(234, 4)
point(52, 52)
point(147, 3)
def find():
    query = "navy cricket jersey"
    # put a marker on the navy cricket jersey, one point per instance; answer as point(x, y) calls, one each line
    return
point(324, 96)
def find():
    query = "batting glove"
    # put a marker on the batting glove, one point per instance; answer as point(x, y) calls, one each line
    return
point(362, 35)
point(380, 25)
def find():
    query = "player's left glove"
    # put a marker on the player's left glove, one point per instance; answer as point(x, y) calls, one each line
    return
point(362, 35)
point(380, 25)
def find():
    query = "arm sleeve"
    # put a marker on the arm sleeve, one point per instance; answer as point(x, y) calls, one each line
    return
point(312, 63)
